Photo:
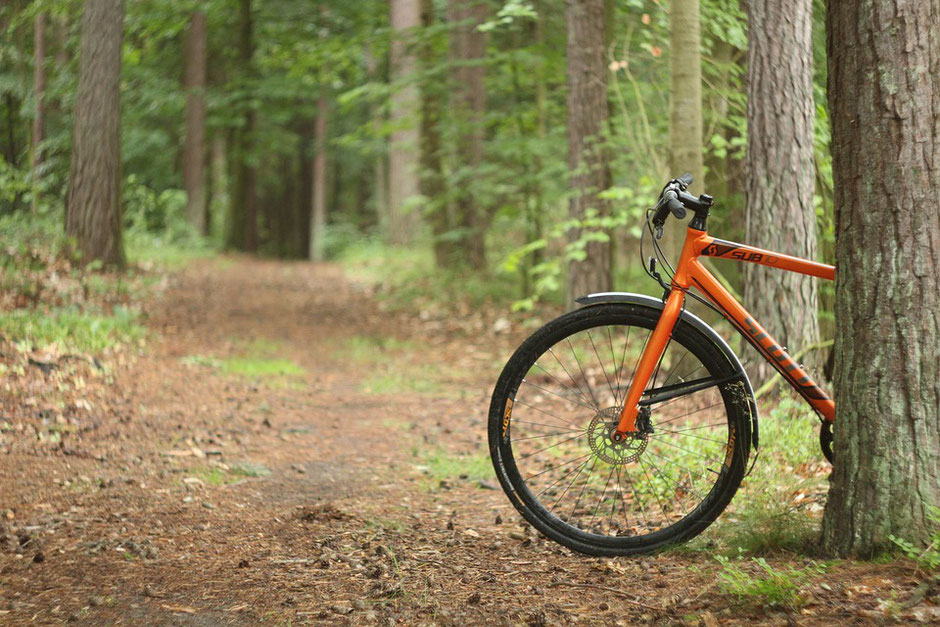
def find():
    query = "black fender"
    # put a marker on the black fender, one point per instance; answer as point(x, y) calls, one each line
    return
point(689, 318)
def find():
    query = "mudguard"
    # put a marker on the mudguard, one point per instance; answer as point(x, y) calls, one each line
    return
point(601, 298)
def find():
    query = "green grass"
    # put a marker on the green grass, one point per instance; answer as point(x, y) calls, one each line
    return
point(439, 465)
point(258, 359)
point(249, 469)
point(211, 475)
point(72, 330)
point(257, 367)
point(372, 349)
point(763, 518)
point(215, 476)
point(392, 366)
point(406, 276)
point(770, 587)
point(411, 381)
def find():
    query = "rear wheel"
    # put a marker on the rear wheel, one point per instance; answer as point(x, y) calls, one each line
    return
point(558, 401)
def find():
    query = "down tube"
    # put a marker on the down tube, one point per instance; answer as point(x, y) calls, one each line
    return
point(763, 342)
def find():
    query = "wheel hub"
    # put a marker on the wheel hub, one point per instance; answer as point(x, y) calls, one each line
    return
point(600, 435)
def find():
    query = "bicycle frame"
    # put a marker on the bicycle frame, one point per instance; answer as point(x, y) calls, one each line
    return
point(691, 273)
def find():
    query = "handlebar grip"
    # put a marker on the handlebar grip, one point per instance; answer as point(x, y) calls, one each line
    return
point(685, 179)
point(674, 204)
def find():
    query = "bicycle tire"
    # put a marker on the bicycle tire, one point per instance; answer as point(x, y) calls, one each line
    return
point(615, 538)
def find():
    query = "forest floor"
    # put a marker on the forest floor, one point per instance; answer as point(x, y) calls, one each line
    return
point(283, 451)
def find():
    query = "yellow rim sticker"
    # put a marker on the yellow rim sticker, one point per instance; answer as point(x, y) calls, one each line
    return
point(729, 454)
point(506, 416)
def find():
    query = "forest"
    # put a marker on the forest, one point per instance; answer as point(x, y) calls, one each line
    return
point(263, 262)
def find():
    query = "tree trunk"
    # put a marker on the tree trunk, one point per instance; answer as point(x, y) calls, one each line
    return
point(220, 184)
point(587, 156)
point(242, 227)
point(318, 206)
point(403, 147)
point(686, 149)
point(93, 206)
point(380, 166)
point(432, 176)
point(780, 215)
point(39, 97)
point(884, 98)
point(468, 46)
point(194, 151)
point(305, 152)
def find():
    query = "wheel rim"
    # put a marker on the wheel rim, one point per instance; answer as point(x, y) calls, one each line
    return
point(585, 485)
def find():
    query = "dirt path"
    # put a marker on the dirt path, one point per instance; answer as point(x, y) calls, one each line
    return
point(287, 453)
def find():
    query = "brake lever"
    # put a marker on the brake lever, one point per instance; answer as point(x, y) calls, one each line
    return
point(659, 234)
point(655, 274)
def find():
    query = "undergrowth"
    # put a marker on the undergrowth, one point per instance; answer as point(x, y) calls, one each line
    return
point(48, 297)
point(779, 505)
point(769, 586)
point(70, 329)
point(406, 277)
point(927, 557)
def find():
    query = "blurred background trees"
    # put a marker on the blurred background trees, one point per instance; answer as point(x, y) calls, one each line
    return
point(504, 152)
point(512, 143)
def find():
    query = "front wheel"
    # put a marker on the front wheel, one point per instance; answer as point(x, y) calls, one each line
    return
point(559, 399)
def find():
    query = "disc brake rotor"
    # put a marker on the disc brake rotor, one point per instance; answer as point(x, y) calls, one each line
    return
point(616, 453)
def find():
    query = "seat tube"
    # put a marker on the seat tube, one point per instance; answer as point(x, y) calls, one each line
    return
point(650, 358)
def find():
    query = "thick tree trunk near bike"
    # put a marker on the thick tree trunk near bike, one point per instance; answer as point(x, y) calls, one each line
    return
point(780, 215)
point(587, 159)
point(884, 96)
point(93, 206)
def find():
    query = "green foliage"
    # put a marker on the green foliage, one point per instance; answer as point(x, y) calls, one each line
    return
point(72, 330)
point(927, 557)
point(770, 587)
point(769, 516)
point(406, 277)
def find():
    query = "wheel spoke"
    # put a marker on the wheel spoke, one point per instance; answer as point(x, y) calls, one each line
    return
point(557, 394)
point(547, 413)
point(562, 467)
point(587, 382)
point(547, 435)
point(601, 364)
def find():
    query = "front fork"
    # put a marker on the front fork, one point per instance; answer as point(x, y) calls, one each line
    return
point(653, 352)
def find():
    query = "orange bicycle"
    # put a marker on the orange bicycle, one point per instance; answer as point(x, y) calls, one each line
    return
point(626, 425)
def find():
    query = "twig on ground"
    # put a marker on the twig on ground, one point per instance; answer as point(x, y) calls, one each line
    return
point(619, 593)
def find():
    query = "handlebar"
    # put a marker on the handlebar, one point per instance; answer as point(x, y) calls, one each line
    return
point(675, 200)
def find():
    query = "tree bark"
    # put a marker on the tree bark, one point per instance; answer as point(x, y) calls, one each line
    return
point(686, 148)
point(305, 152)
point(218, 170)
point(685, 89)
point(242, 227)
point(884, 98)
point(587, 156)
point(318, 204)
point(779, 211)
point(403, 147)
point(380, 167)
point(468, 47)
point(93, 206)
point(194, 151)
point(39, 98)
point(432, 182)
